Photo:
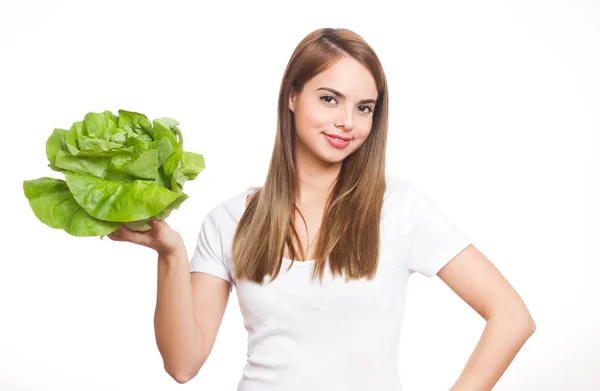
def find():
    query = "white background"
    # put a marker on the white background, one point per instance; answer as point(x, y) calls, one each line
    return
point(494, 111)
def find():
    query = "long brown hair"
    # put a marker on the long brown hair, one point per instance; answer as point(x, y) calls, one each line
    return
point(349, 235)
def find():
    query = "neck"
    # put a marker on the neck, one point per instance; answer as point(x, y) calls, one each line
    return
point(315, 181)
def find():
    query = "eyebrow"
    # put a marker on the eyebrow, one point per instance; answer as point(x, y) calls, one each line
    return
point(336, 92)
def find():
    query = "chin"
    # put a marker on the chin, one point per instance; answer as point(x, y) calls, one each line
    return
point(334, 158)
point(333, 161)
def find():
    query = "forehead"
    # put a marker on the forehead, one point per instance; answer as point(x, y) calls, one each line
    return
point(347, 76)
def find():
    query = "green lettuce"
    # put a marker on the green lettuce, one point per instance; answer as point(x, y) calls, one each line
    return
point(119, 170)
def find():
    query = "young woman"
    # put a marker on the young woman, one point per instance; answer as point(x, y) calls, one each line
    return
point(320, 255)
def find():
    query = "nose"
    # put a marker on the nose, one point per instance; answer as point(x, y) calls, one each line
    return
point(345, 117)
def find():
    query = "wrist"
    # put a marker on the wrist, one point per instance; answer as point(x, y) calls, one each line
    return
point(175, 255)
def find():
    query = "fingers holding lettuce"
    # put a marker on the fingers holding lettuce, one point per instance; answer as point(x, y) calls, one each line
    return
point(160, 237)
point(120, 171)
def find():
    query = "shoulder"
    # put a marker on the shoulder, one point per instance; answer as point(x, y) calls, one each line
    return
point(397, 188)
point(400, 198)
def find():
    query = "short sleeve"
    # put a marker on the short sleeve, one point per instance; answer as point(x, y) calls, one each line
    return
point(434, 238)
point(208, 256)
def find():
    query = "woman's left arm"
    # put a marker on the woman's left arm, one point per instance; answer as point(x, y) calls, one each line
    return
point(508, 321)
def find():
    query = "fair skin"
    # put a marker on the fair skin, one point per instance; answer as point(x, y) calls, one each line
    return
point(469, 274)
point(336, 102)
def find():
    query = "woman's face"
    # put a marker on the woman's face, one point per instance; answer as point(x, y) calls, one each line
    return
point(338, 102)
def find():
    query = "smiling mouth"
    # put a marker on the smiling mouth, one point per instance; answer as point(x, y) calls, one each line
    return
point(337, 143)
point(338, 138)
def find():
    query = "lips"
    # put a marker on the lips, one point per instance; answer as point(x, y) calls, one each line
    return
point(340, 137)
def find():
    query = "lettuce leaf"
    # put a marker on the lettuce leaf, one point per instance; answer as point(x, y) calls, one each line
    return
point(117, 200)
point(54, 205)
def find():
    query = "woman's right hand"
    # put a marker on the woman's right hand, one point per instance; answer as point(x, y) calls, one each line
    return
point(160, 237)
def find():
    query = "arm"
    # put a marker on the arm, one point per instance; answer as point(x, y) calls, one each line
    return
point(189, 306)
point(177, 332)
point(508, 322)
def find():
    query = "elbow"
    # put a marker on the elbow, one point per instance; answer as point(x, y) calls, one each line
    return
point(526, 322)
point(525, 326)
point(517, 320)
point(184, 371)
point(530, 325)
point(181, 377)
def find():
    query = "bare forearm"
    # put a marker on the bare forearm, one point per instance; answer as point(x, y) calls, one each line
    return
point(178, 335)
point(501, 340)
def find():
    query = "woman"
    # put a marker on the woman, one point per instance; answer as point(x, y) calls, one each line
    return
point(321, 254)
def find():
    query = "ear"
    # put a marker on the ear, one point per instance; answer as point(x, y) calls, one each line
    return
point(292, 99)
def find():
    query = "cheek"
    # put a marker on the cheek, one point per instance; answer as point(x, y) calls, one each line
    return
point(362, 131)
point(313, 117)
point(363, 128)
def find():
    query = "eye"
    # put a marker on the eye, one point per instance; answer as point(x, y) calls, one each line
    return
point(327, 98)
point(368, 111)
point(324, 98)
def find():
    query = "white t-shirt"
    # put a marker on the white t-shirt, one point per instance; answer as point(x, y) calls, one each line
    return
point(336, 336)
